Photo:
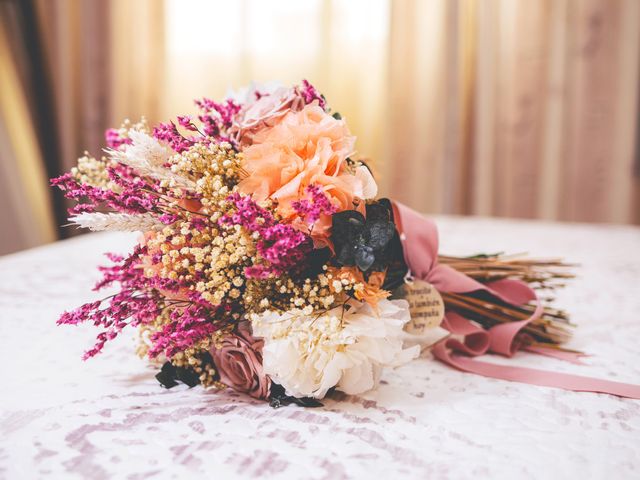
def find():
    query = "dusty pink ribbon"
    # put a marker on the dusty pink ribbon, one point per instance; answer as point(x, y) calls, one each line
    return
point(420, 244)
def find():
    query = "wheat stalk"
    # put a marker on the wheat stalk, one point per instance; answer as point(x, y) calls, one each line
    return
point(122, 222)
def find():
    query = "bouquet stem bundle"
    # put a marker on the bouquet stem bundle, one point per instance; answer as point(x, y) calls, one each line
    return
point(551, 329)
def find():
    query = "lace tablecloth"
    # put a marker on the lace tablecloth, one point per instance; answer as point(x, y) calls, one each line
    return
point(109, 418)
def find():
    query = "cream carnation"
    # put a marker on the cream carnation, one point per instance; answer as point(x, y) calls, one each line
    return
point(308, 355)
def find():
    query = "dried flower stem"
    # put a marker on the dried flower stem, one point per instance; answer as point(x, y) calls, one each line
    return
point(546, 328)
point(544, 273)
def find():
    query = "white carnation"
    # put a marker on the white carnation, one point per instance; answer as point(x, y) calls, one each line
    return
point(308, 355)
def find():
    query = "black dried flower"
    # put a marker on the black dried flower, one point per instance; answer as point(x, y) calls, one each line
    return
point(278, 398)
point(169, 375)
point(363, 242)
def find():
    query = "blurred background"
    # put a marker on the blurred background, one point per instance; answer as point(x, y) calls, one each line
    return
point(510, 108)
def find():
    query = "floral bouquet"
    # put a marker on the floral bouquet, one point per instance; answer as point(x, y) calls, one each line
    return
point(267, 265)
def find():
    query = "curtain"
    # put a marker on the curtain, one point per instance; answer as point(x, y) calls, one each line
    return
point(26, 216)
point(105, 60)
point(496, 107)
point(515, 108)
point(341, 46)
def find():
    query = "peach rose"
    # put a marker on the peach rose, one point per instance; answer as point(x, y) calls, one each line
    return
point(304, 148)
point(239, 363)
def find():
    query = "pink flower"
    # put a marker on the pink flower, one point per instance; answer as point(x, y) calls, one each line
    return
point(114, 140)
point(283, 247)
point(265, 111)
point(239, 363)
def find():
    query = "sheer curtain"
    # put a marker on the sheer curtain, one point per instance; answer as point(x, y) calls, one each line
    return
point(516, 108)
point(340, 46)
point(496, 107)
point(493, 107)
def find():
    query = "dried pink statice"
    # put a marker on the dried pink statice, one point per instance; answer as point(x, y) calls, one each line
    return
point(133, 195)
point(185, 122)
point(187, 326)
point(135, 304)
point(310, 94)
point(168, 132)
point(114, 139)
point(319, 204)
point(217, 115)
point(140, 301)
point(216, 118)
point(283, 247)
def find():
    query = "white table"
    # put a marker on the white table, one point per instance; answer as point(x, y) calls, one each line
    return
point(109, 418)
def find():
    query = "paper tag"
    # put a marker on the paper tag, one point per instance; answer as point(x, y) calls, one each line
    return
point(425, 304)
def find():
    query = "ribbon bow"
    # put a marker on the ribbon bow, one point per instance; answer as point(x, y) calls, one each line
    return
point(419, 237)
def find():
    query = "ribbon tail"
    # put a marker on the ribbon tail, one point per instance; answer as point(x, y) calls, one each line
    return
point(542, 378)
point(571, 357)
